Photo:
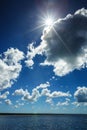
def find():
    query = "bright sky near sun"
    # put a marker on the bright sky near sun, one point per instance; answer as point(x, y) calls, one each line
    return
point(49, 22)
point(43, 56)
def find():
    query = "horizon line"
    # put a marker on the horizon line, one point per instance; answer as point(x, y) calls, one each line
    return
point(43, 114)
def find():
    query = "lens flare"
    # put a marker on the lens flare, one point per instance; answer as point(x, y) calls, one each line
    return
point(49, 22)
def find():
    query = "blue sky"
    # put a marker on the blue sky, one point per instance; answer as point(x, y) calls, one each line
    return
point(43, 68)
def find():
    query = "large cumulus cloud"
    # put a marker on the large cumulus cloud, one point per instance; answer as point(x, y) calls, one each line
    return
point(64, 44)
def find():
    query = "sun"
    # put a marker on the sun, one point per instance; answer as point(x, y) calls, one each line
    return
point(45, 21)
point(49, 22)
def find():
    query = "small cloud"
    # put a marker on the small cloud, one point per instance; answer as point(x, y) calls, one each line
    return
point(59, 94)
point(42, 86)
point(26, 95)
point(20, 92)
point(4, 95)
point(21, 104)
point(53, 78)
point(66, 103)
point(45, 92)
point(55, 94)
point(16, 106)
point(50, 101)
point(81, 94)
point(8, 102)
point(31, 53)
point(78, 104)
point(33, 97)
point(67, 99)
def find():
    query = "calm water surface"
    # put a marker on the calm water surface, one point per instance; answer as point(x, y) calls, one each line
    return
point(44, 122)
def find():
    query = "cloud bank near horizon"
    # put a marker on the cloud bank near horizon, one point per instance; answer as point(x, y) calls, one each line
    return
point(41, 91)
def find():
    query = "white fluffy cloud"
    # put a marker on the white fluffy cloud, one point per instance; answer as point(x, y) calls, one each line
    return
point(42, 86)
point(26, 94)
point(40, 91)
point(4, 95)
point(18, 104)
point(66, 103)
point(10, 67)
point(20, 92)
point(45, 92)
point(64, 44)
point(8, 102)
point(50, 101)
point(63, 103)
point(33, 97)
point(59, 94)
point(31, 53)
point(55, 94)
point(81, 94)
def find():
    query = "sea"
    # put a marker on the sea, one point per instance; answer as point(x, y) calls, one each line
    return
point(43, 122)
